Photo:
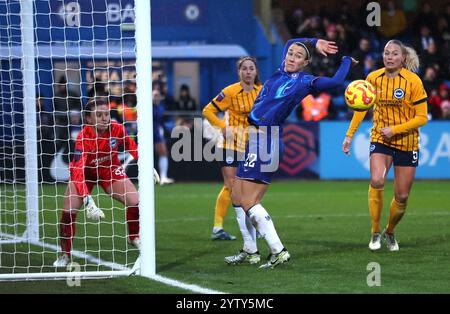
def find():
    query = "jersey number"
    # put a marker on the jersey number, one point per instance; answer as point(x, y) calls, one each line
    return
point(250, 161)
point(120, 172)
point(415, 156)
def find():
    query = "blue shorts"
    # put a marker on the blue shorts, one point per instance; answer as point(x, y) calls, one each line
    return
point(400, 158)
point(158, 134)
point(262, 157)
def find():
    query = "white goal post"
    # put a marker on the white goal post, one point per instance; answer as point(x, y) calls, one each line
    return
point(30, 204)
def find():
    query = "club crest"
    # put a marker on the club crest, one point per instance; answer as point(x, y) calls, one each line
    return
point(113, 142)
point(399, 93)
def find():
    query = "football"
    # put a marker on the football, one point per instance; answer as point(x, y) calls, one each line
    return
point(360, 95)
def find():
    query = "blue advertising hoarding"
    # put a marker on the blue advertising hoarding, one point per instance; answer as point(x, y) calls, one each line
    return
point(434, 162)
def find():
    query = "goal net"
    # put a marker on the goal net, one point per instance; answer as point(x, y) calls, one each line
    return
point(55, 57)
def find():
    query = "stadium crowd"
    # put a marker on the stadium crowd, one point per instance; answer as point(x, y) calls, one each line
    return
point(426, 30)
point(422, 27)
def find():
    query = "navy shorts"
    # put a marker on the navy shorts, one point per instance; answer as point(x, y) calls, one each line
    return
point(400, 158)
point(262, 157)
point(228, 157)
point(158, 134)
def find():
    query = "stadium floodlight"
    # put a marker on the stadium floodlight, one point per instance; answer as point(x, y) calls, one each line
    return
point(53, 53)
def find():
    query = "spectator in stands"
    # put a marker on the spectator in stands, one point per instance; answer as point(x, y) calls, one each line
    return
point(424, 40)
point(166, 98)
point(168, 102)
point(348, 22)
point(295, 21)
point(64, 101)
point(158, 138)
point(437, 99)
point(430, 81)
point(447, 13)
point(187, 104)
point(185, 101)
point(311, 27)
point(445, 59)
point(363, 49)
point(98, 88)
point(335, 33)
point(430, 56)
point(344, 15)
point(445, 107)
point(44, 121)
point(393, 21)
point(126, 110)
point(425, 17)
point(443, 29)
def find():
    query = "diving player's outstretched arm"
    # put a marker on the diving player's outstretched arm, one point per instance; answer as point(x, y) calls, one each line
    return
point(323, 83)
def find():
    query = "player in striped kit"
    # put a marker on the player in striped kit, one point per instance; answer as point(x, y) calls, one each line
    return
point(236, 101)
point(399, 111)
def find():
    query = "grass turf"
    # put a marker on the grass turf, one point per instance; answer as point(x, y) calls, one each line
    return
point(324, 225)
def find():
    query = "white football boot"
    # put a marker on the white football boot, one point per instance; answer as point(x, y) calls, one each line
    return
point(62, 261)
point(375, 241)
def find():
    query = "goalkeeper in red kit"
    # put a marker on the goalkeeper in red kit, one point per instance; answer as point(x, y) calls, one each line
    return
point(96, 161)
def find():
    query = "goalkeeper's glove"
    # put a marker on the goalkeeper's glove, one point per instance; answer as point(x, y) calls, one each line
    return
point(92, 211)
point(156, 176)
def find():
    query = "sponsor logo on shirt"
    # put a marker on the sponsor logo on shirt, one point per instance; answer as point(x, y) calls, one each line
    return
point(113, 142)
point(100, 160)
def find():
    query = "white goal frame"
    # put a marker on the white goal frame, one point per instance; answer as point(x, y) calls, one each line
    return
point(146, 262)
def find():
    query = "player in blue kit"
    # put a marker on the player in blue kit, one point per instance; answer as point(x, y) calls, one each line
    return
point(281, 93)
point(158, 138)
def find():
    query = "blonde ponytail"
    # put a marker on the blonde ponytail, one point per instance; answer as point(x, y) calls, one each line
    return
point(412, 62)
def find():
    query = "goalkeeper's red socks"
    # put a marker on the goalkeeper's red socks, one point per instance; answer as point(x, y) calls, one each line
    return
point(67, 230)
point(133, 222)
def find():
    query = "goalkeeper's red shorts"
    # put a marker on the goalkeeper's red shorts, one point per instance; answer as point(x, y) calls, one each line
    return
point(104, 176)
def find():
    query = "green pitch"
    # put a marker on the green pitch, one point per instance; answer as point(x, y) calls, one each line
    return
point(324, 225)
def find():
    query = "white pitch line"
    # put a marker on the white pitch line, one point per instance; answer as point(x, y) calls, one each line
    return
point(182, 285)
point(119, 267)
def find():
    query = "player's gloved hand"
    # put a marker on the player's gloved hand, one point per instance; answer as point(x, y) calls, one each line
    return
point(156, 177)
point(92, 211)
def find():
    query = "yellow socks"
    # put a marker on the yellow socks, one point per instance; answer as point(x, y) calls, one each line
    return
point(222, 203)
point(397, 211)
point(375, 207)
